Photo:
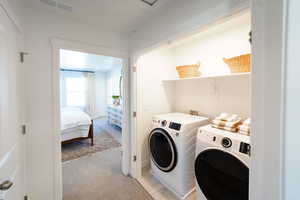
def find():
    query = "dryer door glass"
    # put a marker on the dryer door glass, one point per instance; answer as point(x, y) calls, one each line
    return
point(163, 150)
point(221, 175)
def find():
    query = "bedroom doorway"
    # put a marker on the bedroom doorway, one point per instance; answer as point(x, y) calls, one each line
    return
point(91, 90)
point(92, 109)
point(91, 103)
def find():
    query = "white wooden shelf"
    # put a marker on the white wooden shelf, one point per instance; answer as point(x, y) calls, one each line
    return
point(209, 77)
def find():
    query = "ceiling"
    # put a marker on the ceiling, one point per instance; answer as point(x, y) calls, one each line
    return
point(123, 16)
point(76, 60)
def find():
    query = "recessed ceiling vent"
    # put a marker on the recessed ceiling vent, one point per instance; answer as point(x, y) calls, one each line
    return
point(58, 5)
point(149, 2)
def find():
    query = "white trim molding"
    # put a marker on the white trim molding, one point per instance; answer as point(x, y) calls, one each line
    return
point(267, 98)
point(57, 44)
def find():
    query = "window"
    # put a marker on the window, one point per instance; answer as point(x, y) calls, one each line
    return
point(75, 91)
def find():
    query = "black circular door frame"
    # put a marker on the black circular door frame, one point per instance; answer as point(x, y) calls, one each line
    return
point(163, 150)
point(222, 175)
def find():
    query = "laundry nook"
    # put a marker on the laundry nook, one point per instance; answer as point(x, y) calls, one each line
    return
point(194, 119)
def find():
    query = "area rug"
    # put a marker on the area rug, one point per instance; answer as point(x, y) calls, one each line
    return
point(102, 141)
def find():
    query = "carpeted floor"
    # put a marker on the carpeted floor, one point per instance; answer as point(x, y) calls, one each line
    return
point(102, 141)
point(99, 177)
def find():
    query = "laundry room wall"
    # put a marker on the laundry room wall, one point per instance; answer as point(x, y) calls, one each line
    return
point(41, 26)
point(225, 39)
point(225, 94)
point(210, 97)
point(153, 96)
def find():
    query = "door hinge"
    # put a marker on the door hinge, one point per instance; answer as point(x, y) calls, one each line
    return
point(134, 114)
point(134, 69)
point(26, 197)
point(24, 129)
point(22, 54)
point(134, 158)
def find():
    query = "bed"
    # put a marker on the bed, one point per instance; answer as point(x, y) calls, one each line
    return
point(76, 125)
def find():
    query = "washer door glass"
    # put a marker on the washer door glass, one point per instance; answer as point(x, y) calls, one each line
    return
point(163, 150)
point(222, 176)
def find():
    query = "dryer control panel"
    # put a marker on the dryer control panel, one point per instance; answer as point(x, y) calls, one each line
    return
point(223, 139)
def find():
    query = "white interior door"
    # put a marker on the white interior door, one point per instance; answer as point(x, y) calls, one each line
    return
point(136, 165)
point(126, 120)
point(11, 139)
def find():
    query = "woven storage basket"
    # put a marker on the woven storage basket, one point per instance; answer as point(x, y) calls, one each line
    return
point(239, 64)
point(188, 71)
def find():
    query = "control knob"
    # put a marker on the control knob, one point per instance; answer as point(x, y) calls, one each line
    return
point(163, 123)
point(226, 142)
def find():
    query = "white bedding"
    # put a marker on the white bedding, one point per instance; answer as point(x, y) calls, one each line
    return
point(74, 123)
point(73, 117)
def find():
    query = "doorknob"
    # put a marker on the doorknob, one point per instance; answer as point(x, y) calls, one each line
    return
point(5, 185)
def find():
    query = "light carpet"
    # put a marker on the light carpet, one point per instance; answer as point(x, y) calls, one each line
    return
point(99, 177)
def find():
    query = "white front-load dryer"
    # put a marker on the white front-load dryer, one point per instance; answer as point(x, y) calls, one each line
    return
point(222, 165)
point(172, 143)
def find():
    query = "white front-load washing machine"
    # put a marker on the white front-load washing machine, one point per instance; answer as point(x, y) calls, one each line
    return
point(222, 165)
point(172, 143)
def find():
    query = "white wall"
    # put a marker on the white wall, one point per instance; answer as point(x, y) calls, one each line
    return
point(112, 82)
point(12, 142)
point(86, 61)
point(153, 96)
point(101, 93)
point(224, 40)
point(291, 130)
point(40, 28)
point(212, 96)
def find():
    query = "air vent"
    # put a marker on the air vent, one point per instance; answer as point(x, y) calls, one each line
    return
point(58, 5)
point(149, 2)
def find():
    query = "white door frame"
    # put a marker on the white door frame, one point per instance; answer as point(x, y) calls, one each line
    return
point(57, 44)
point(268, 84)
point(269, 21)
point(136, 141)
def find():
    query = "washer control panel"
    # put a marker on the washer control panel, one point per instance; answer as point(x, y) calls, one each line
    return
point(175, 126)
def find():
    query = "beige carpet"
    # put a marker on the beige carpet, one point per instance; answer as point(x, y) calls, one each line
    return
point(99, 177)
point(102, 141)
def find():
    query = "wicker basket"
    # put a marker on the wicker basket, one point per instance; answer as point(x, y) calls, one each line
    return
point(188, 71)
point(239, 64)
